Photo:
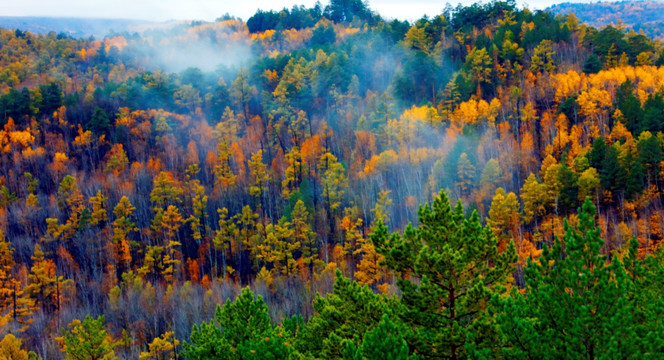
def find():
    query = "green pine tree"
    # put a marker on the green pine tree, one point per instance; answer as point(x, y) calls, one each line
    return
point(99, 122)
point(240, 330)
point(87, 340)
point(575, 304)
point(646, 294)
point(449, 267)
point(340, 318)
point(383, 342)
point(569, 190)
point(592, 65)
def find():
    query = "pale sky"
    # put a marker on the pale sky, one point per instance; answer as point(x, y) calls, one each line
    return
point(161, 10)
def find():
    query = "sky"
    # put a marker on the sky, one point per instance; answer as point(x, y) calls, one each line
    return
point(162, 10)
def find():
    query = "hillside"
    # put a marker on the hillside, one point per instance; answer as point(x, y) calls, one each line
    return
point(321, 183)
point(646, 16)
point(74, 27)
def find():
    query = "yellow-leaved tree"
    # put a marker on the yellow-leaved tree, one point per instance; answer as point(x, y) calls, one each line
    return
point(161, 348)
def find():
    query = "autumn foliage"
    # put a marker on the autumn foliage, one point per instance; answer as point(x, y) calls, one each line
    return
point(143, 195)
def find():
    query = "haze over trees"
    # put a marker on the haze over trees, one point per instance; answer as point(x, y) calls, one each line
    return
point(485, 183)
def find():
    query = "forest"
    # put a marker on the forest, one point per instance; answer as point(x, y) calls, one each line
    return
point(641, 15)
point(324, 183)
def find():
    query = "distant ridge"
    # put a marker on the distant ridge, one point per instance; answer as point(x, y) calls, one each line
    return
point(646, 15)
point(75, 27)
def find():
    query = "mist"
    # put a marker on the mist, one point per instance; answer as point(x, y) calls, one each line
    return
point(180, 45)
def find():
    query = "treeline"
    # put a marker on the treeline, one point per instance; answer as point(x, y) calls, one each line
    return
point(457, 300)
point(149, 196)
point(299, 17)
point(640, 16)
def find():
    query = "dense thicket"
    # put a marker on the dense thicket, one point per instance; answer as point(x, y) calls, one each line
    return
point(149, 187)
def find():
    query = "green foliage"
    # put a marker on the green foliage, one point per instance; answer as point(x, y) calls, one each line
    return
point(645, 295)
point(240, 330)
point(542, 59)
point(15, 105)
point(629, 106)
point(87, 340)
point(347, 10)
point(592, 65)
point(414, 82)
point(650, 154)
point(406, 108)
point(166, 190)
point(479, 14)
point(478, 66)
point(385, 341)
point(100, 122)
point(51, 98)
point(569, 188)
point(296, 18)
point(323, 34)
point(341, 318)
point(653, 113)
point(575, 303)
point(449, 268)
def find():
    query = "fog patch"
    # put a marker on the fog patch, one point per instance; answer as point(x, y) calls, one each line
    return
point(206, 46)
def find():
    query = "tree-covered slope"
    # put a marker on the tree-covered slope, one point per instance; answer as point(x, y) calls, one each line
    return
point(640, 15)
point(149, 178)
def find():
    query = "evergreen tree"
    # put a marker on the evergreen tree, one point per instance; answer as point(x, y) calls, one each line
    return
point(592, 65)
point(240, 330)
point(574, 306)
point(87, 340)
point(384, 342)
point(323, 35)
point(650, 154)
point(634, 178)
point(653, 113)
point(341, 317)
point(100, 121)
point(569, 189)
point(346, 10)
point(629, 106)
point(449, 267)
point(647, 297)
point(610, 171)
point(51, 98)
